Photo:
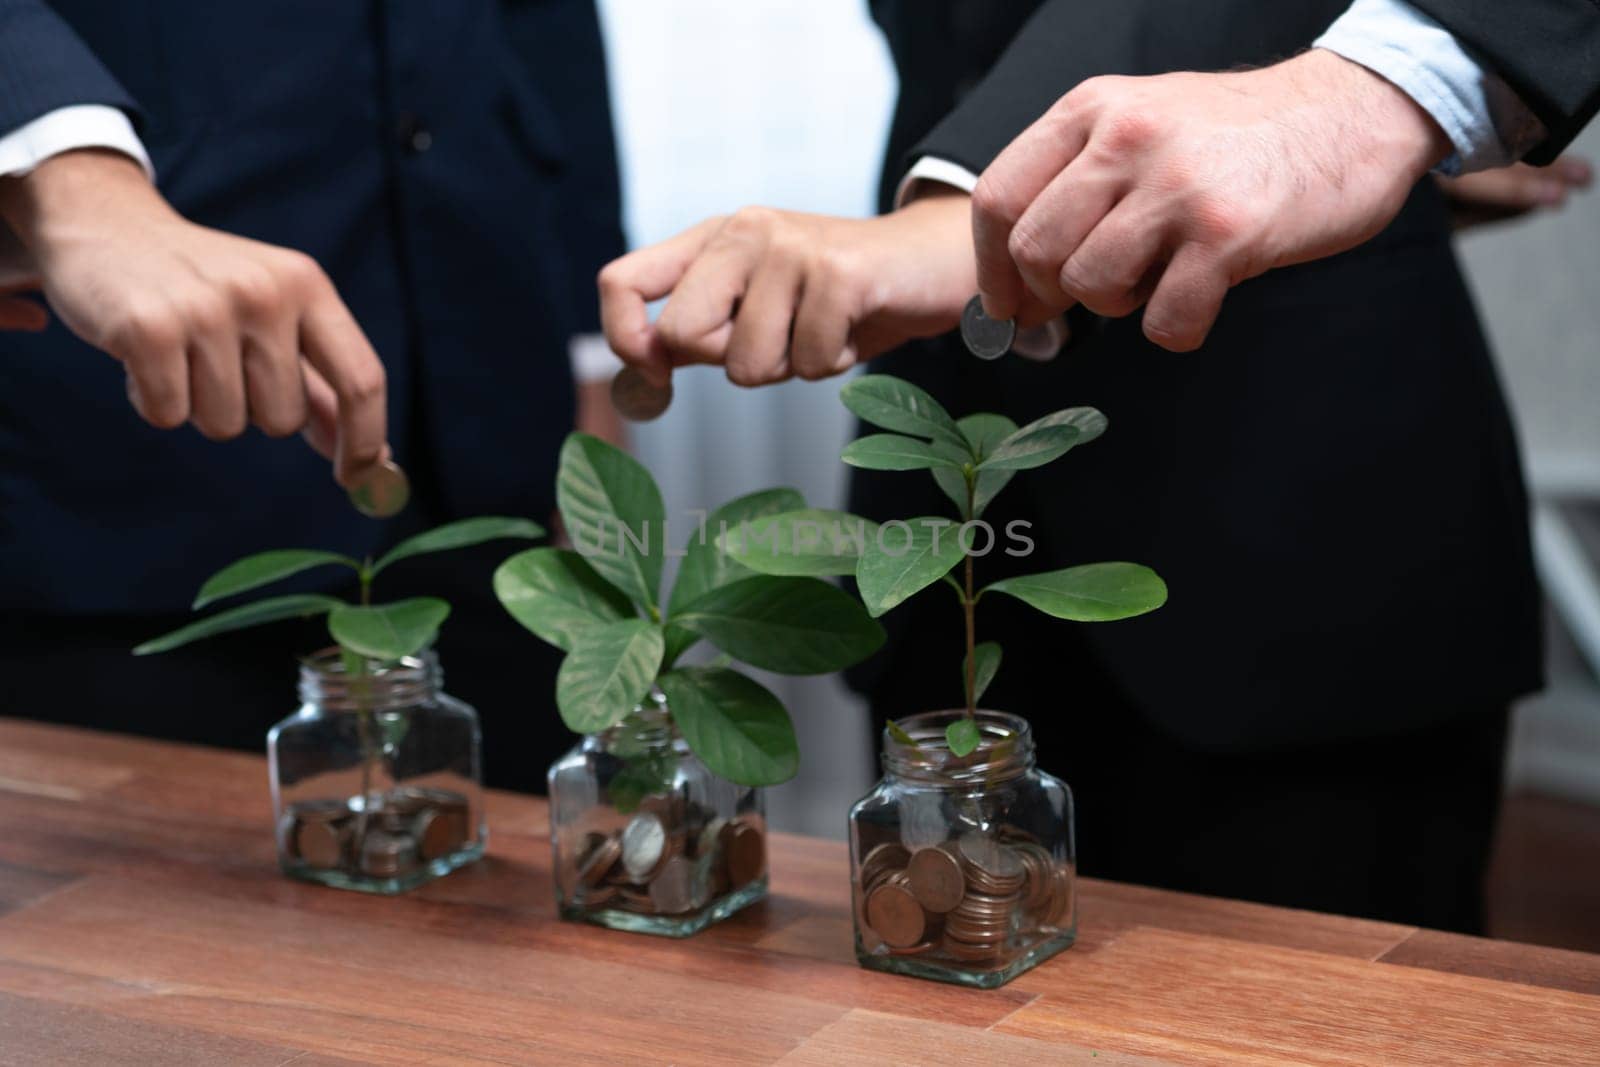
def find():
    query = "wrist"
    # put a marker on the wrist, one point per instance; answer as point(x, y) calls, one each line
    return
point(72, 189)
point(1376, 113)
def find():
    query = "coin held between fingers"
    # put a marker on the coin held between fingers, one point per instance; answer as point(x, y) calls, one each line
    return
point(984, 337)
point(384, 491)
point(636, 398)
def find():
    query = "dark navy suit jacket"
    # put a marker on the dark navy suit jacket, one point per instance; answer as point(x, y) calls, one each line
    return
point(450, 165)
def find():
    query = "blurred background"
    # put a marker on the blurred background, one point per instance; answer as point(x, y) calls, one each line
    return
point(720, 105)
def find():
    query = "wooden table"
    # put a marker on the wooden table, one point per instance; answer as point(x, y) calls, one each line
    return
point(143, 920)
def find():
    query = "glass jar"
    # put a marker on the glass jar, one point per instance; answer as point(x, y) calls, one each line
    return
point(645, 838)
point(962, 868)
point(376, 780)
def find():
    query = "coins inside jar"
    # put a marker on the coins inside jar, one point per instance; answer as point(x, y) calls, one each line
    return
point(404, 828)
point(970, 899)
point(672, 857)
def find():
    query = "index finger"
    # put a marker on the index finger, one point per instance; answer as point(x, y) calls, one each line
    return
point(336, 347)
point(1006, 189)
point(629, 284)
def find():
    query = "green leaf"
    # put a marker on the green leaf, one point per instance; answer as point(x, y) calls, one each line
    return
point(737, 728)
point(706, 565)
point(811, 541)
point(988, 659)
point(613, 513)
point(557, 595)
point(895, 404)
point(962, 736)
point(983, 433)
point(263, 568)
point(1046, 439)
point(894, 452)
point(788, 625)
point(607, 673)
point(387, 632)
point(461, 534)
point(905, 558)
point(898, 733)
point(1094, 592)
point(300, 605)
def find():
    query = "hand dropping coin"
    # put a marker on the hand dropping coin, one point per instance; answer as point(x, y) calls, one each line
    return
point(986, 338)
point(636, 398)
point(384, 493)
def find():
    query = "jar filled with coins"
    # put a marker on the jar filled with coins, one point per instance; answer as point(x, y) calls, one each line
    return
point(645, 838)
point(376, 780)
point(962, 867)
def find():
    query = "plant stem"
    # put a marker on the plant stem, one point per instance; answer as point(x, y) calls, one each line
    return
point(968, 604)
point(366, 584)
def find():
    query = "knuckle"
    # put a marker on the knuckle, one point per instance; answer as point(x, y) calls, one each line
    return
point(299, 270)
point(208, 312)
point(144, 327)
point(364, 386)
point(1220, 220)
point(752, 222)
point(162, 406)
point(612, 278)
point(255, 291)
point(1129, 132)
point(1026, 246)
point(282, 422)
point(992, 200)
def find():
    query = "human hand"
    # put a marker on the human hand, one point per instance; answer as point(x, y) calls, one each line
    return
point(210, 327)
point(1514, 191)
point(770, 295)
point(1164, 192)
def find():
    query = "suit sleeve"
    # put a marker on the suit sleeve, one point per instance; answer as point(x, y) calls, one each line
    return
point(1546, 50)
point(44, 65)
point(561, 42)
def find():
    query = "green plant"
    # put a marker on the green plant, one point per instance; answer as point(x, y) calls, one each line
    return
point(972, 459)
point(600, 603)
point(366, 633)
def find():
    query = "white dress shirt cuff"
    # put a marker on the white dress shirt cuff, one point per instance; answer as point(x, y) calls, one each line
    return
point(1486, 121)
point(66, 129)
point(592, 359)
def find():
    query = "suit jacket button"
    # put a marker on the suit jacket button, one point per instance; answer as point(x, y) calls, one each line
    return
point(414, 137)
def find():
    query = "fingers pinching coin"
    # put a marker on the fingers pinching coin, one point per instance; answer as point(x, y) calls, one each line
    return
point(986, 338)
point(636, 398)
point(383, 493)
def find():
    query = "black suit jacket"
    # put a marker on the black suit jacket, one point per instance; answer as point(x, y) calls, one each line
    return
point(1547, 50)
point(468, 256)
point(1330, 487)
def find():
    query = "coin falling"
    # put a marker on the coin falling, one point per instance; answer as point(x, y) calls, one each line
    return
point(986, 338)
point(384, 493)
point(636, 398)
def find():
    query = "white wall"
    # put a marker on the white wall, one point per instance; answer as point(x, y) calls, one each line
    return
point(721, 104)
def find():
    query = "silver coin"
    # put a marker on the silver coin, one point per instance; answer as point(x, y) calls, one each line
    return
point(986, 338)
point(636, 398)
point(673, 890)
point(384, 492)
point(643, 841)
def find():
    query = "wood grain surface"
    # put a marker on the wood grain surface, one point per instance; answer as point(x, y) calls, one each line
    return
point(143, 921)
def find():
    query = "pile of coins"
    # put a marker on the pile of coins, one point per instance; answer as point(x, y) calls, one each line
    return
point(410, 826)
point(964, 898)
point(671, 858)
